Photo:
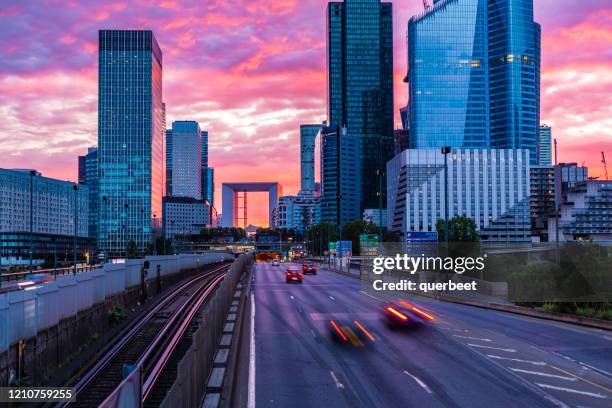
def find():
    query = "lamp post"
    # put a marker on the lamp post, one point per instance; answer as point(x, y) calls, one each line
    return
point(32, 174)
point(445, 151)
point(74, 246)
point(153, 234)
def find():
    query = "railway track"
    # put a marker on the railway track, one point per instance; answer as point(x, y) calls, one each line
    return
point(149, 343)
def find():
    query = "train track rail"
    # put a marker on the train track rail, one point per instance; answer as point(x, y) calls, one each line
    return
point(149, 343)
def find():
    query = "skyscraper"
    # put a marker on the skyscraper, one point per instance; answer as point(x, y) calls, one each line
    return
point(544, 149)
point(473, 74)
point(340, 181)
point(210, 186)
point(360, 86)
point(88, 175)
point(168, 162)
point(130, 139)
point(308, 135)
point(186, 159)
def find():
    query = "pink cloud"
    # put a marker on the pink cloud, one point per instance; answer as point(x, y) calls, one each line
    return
point(250, 73)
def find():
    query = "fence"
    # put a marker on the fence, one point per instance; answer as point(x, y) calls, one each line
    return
point(196, 365)
point(24, 313)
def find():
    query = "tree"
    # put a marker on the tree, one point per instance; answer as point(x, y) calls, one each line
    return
point(132, 249)
point(460, 229)
point(319, 236)
point(163, 246)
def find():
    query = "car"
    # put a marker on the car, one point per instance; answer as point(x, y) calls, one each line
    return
point(309, 267)
point(403, 313)
point(294, 275)
point(350, 331)
point(275, 262)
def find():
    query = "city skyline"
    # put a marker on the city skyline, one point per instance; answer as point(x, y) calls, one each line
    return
point(52, 86)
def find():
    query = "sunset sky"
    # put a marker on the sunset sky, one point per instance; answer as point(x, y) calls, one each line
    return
point(250, 72)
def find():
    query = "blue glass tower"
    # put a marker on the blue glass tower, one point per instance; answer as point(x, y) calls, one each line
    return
point(130, 139)
point(473, 73)
point(88, 175)
point(360, 86)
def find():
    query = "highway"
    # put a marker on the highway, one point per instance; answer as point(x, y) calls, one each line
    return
point(467, 357)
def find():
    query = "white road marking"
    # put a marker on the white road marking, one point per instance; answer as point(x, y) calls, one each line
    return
point(339, 385)
point(299, 309)
point(509, 350)
point(251, 396)
point(331, 297)
point(291, 296)
point(560, 377)
point(313, 333)
point(371, 296)
point(471, 338)
point(518, 360)
point(453, 329)
point(599, 370)
point(418, 381)
point(571, 390)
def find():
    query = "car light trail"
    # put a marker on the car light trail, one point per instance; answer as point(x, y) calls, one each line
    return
point(396, 313)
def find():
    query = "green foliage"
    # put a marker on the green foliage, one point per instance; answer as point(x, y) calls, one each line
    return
point(319, 237)
point(132, 249)
point(117, 314)
point(220, 234)
point(164, 246)
point(460, 229)
point(551, 307)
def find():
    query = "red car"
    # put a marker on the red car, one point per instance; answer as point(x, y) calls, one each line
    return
point(294, 275)
point(309, 267)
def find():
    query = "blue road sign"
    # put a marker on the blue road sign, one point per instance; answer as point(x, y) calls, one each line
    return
point(422, 236)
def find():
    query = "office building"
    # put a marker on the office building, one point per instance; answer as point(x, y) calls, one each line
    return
point(168, 154)
point(298, 212)
point(586, 213)
point(204, 164)
point(131, 127)
point(53, 218)
point(308, 135)
point(360, 86)
point(490, 186)
point(186, 159)
point(544, 149)
point(401, 140)
point(375, 216)
point(340, 176)
point(88, 175)
point(404, 117)
point(210, 186)
point(474, 76)
point(542, 200)
point(185, 216)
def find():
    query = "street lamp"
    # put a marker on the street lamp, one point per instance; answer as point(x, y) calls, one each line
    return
point(153, 234)
point(445, 151)
point(74, 247)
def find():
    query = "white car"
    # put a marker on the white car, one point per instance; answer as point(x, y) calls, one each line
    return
point(275, 262)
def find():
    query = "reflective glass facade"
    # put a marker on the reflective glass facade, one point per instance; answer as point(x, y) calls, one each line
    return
point(88, 175)
point(186, 159)
point(474, 72)
point(131, 126)
point(544, 148)
point(308, 135)
point(360, 84)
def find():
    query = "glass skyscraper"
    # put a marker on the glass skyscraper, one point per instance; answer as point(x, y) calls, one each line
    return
point(360, 86)
point(186, 159)
point(473, 73)
point(308, 136)
point(131, 126)
point(88, 175)
point(544, 148)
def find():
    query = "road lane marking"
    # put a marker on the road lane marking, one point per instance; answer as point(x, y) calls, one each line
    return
point(371, 296)
point(251, 396)
point(560, 377)
point(331, 297)
point(571, 390)
point(580, 378)
point(518, 360)
point(291, 296)
point(418, 381)
point(299, 309)
point(339, 385)
point(599, 370)
point(509, 350)
point(453, 329)
point(313, 333)
point(471, 338)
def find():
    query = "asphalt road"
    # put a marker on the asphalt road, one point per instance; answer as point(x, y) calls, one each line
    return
point(468, 357)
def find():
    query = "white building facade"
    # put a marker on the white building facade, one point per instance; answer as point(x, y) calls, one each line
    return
point(490, 186)
point(185, 216)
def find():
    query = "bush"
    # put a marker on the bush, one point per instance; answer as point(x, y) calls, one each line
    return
point(551, 307)
point(117, 314)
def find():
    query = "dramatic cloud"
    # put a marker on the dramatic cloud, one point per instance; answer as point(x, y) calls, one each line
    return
point(250, 73)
